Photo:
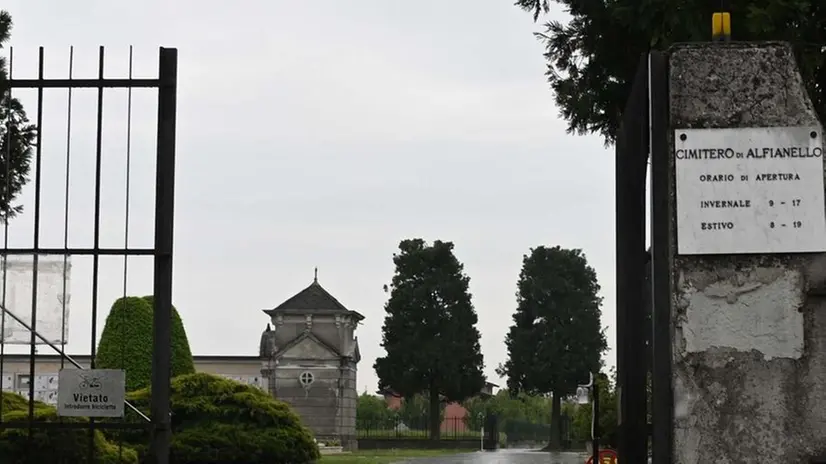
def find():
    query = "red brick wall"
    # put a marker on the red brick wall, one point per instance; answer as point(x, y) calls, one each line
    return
point(454, 415)
point(395, 402)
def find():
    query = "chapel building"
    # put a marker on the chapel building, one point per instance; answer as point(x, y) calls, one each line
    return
point(310, 358)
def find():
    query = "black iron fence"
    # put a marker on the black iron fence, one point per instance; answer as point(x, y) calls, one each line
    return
point(452, 428)
point(459, 428)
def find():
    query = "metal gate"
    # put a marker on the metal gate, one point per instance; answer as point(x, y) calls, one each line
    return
point(643, 284)
point(155, 423)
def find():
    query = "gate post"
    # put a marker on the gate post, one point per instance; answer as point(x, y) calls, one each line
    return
point(490, 441)
point(741, 230)
point(164, 231)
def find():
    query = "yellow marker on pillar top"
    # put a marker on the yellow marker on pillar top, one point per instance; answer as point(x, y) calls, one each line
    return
point(721, 27)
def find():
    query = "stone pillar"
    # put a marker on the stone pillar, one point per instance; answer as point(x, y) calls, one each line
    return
point(268, 373)
point(749, 273)
point(348, 402)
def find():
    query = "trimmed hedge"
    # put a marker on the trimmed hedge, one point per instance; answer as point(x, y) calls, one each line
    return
point(182, 362)
point(217, 420)
point(49, 446)
point(126, 342)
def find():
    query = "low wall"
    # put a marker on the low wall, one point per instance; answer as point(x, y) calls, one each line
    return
point(416, 443)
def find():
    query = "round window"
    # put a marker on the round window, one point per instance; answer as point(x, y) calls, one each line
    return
point(306, 378)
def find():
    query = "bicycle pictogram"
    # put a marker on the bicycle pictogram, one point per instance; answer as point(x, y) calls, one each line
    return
point(90, 383)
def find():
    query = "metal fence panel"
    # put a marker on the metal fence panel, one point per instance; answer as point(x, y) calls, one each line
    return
point(35, 283)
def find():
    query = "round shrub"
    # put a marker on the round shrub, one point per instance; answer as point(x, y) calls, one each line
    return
point(54, 445)
point(217, 420)
point(126, 342)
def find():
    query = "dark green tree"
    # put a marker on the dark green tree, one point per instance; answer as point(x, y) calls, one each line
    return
point(429, 332)
point(556, 338)
point(17, 138)
point(591, 60)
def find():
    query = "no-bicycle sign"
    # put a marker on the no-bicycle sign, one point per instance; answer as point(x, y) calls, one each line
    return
point(91, 393)
point(605, 457)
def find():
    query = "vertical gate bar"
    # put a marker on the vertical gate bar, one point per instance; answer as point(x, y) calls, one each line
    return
point(36, 239)
point(663, 394)
point(631, 253)
point(164, 231)
point(621, 219)
point(128, 175)
point(96, 239)
point(7, 189)
point(66, 206)
point(642, 319)
point(638, 404)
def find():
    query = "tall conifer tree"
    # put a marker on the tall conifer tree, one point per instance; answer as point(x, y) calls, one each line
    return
point(429, 332)
point(556, 338)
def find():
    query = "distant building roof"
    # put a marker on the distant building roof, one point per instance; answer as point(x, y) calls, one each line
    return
point(312, 298)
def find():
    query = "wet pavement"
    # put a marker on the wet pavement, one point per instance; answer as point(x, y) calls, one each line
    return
point(506, 456)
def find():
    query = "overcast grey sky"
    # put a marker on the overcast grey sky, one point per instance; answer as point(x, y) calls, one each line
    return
point(317, 134)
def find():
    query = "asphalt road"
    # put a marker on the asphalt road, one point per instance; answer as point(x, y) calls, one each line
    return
point(505, 457)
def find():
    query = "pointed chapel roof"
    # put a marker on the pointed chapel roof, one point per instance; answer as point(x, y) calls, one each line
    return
point(314, 297)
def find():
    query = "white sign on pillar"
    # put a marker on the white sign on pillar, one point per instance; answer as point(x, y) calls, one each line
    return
point(750, 190)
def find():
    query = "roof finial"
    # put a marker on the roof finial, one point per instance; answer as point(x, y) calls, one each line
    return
point(315, 276)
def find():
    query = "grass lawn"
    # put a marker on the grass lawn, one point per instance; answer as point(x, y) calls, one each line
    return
point(383, 456)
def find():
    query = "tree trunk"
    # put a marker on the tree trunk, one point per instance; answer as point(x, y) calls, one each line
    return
point(435, 414)
point(556, 431)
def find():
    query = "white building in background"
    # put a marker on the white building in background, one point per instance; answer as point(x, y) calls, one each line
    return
point(16, 377)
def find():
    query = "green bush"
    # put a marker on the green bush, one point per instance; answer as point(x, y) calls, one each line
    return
point(126, 342)
point(581, 426)
point(57, 445)
point(372, 413)
point(217, 420)
point(15, 402)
